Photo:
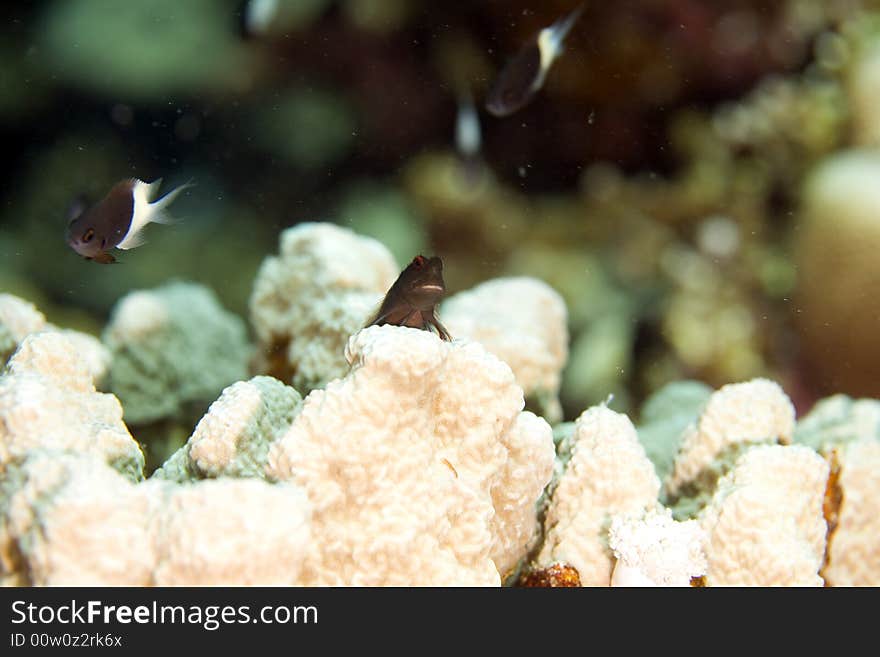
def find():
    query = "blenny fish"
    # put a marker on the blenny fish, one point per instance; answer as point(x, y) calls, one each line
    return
point(524, 75)
point(413, 297)
point(118, 220)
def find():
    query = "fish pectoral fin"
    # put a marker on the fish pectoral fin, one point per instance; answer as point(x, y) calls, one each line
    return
point(431, 320)
point(104, 259)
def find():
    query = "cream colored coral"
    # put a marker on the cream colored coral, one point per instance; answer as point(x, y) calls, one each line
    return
point(71, 520)
point(765, 525)
point(608, 473)
point(20, 318)
point(233, 438)
point(847, 432)
point(854, 550)
point(751, 412)
point(420, 464)
point(652, 549)
point(315, 294)
point(521, 320)
point(48, 401)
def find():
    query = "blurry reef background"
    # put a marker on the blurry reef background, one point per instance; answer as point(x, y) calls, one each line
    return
point(700, 181)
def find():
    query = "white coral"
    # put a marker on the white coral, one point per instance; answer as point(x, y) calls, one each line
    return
point(765, 525)
point(421, 466)
point(70, 520)
point(854, 550)
point(315, 294)
point(739, 413)
point(608, 473)
point(20, 318)
point(652, 549)
point(48, 400)
point(847, 432)
point(521, 320)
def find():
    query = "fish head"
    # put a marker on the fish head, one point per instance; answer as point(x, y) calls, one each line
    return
point(422, 282)
point(83, 237)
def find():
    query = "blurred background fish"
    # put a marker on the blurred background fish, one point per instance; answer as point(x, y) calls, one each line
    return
point(523, 76)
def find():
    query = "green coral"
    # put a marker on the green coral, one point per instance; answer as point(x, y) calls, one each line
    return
point(193, 351)
point(7, 344)
point(839, 420)
point(252, 435)
point(665, 416)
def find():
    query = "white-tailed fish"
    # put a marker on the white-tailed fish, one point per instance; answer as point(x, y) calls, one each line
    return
point(468, 140)
point(412, 299)
point(118, 220)
point(524, 75)
point(467, 128)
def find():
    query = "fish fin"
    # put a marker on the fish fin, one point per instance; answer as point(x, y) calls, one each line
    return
point(158, 213)
point(103, 259)
point(77, 206)
point(563, 26)
point(146, 212)
point(551, 39)
point(431, 320)
point(133, 240)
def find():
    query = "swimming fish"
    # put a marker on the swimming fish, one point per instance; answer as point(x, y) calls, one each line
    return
point(467, 141)
point(118, 220)
point(523, 76)
point(412, 299)
point(467, 128)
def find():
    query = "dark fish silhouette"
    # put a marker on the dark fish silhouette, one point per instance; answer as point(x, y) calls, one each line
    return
point(118, 220)
point(523, 76)
point(412, 299)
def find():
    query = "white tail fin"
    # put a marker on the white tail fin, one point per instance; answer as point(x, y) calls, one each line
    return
point(146, 212)
point(157, 207)
point(551, 38)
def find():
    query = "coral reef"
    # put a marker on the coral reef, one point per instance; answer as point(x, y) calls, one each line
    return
point(233, 438)
point(607, 473)
point(765, 524)
point(421, 465)
point(418, 467)
point(309, 299)
point(652, 549)
point(48, 401)
point(172, 346)
point(19, 318)
point(523, 321)
point(70, 520)
point(847, 433)
point(734, 418)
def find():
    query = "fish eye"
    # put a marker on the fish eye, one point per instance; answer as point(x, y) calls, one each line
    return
point(88, 235)
point(419, 261)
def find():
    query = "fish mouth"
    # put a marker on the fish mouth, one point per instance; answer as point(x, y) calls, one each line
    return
point(431, 288)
